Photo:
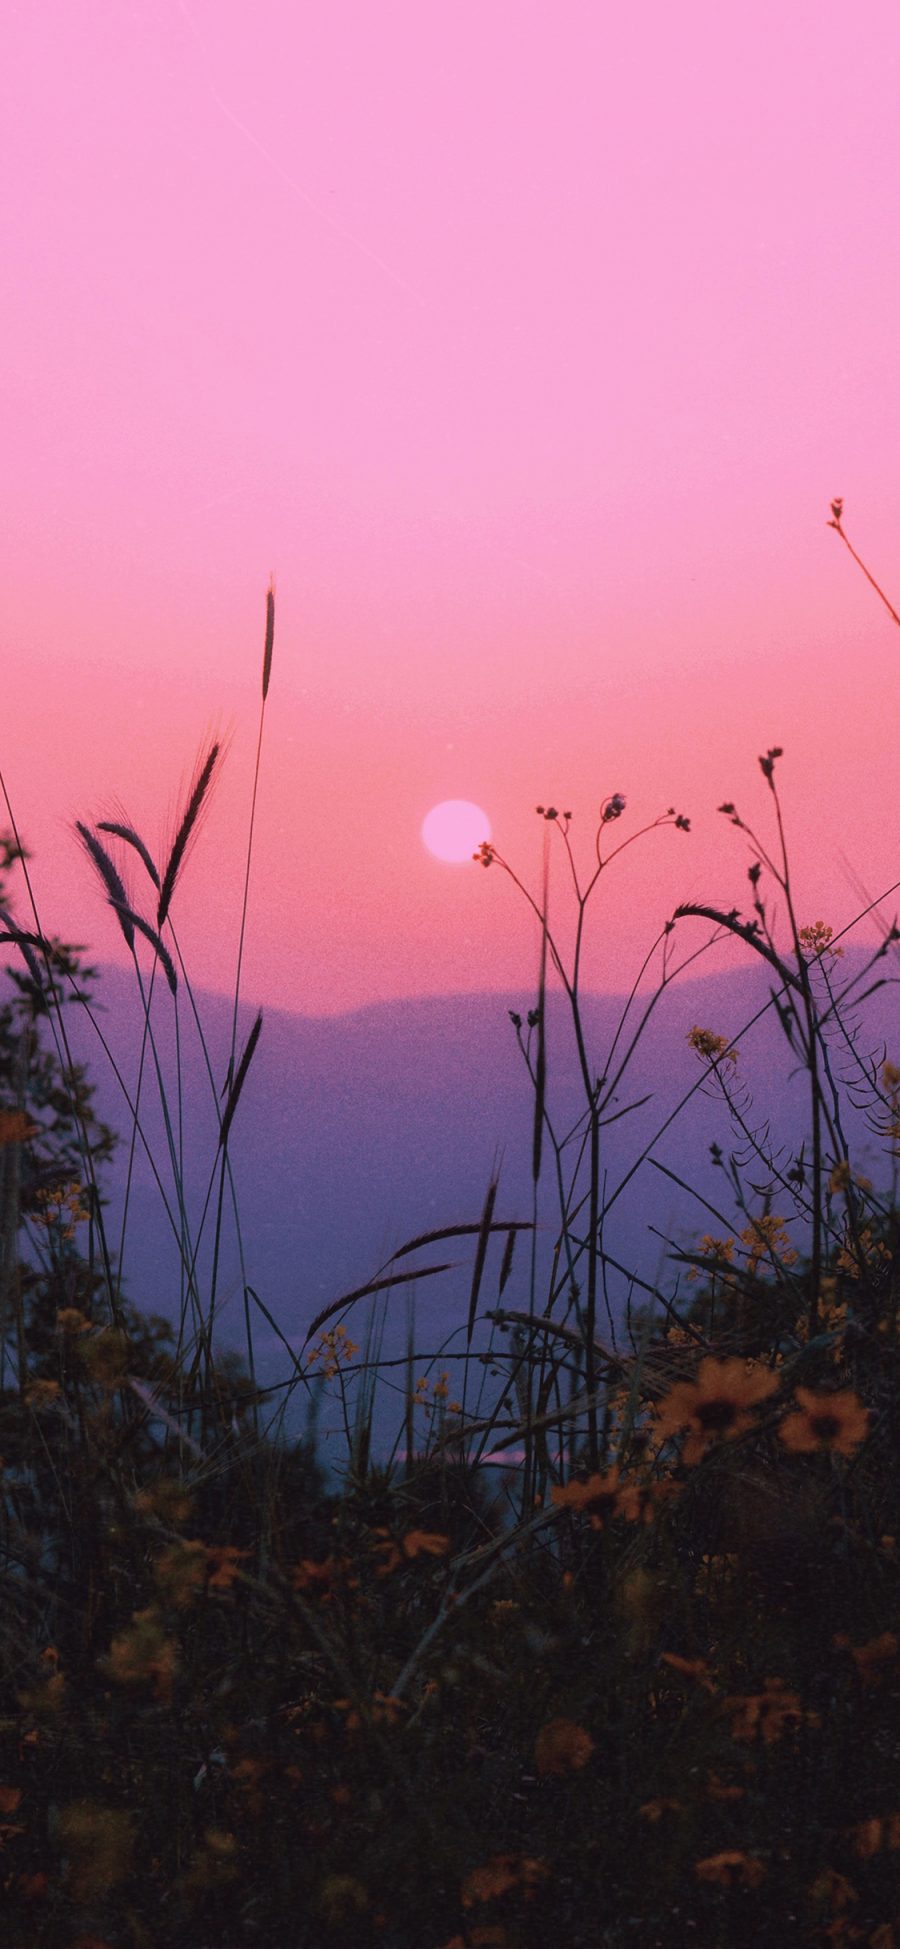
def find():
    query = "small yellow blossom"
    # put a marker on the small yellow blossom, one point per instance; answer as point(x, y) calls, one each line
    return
point(42, 1394)
point(766, 1714)
point(835, 1422)
point(767, 1237)
point(713, 1048)
point(714, 1407)
point(875, 1661)
point(144, 1654)
point(98, 1842)
point(562, 1747)
point(331, 1350)
point(60, 1207)
point(816, 941)
point(498, 1875)
point(731, 1869)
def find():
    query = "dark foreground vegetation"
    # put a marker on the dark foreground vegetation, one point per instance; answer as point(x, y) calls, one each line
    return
point(646, 1693)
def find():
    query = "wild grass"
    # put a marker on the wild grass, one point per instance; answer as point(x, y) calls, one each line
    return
point(648, 1690)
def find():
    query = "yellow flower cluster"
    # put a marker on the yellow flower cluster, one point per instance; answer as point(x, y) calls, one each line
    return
point(15, 1127)
point(767, 1237)
point(816, 941)
point(61, 1206)
point(712, 1047)
point(332, 1349)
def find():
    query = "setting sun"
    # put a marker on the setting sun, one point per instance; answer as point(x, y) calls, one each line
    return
point(455, 829)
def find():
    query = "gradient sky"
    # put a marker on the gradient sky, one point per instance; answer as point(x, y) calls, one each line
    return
point(526, 344)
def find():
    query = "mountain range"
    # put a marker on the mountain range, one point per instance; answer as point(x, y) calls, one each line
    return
point(357, 1132)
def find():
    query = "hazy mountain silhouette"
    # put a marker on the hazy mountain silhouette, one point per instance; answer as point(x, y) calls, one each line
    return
point(357, 1132)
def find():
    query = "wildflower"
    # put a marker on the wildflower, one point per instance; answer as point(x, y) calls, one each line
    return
point(331, 1349)
point(341, 1898)
point(714, 1048)
point(731, 1869)
point(485, 855)
point(767, 1236)
point(419, 1542)
point(767, 1713)
point(840, 1178)
point(144, 1653)
point(322, 1579)
point(613, 808)
point(714, 1407)
point(867, 1251)
point(816, 941)
point(213, 1863)
point(71, 1320)
point(42, 1394)
point(689, 1668)
point(836, 1423)
point(503, 1611)
point(16, 1127)
point(180, 1572)
point(416, 1542)
point(166, 1499)
point(834, 1889)
point(99, 1843)
point(720, 1250)
point(562, 1747)
point(720, 1790)
point(653, 1810)
point(9, 1799)
point(106, 1355)
point(491, 1937)
point(498, 1875)
point(599, 1494)
point(870, 1836)
point(60, 1207)
point(874, 1661)
point(224, 1561)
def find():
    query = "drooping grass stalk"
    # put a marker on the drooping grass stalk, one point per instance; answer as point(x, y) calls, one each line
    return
point(268, 648)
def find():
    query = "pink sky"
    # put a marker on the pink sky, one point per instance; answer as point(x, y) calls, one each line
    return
point(527, 345)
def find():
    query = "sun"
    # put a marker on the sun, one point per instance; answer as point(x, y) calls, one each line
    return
point(455, 829)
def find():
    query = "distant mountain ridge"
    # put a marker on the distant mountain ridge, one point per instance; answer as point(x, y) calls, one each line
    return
point(356, 1132)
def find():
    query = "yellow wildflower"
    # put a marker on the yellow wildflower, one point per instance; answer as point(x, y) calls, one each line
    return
point(835, 1422)
point(816, 941)
point(715, 1406)
point(712, 1047)
point(562, 1747)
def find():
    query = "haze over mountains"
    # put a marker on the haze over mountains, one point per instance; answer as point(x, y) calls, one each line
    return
point(355, 1133)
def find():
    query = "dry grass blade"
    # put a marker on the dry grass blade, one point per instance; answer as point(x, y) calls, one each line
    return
point(371, 1286)
point(458, 1231)
point(112, 880)
point(186, 828)
point(239, 1081)
point(270, 639)
point(131, 838)
point(484, 1233)
point(506, 1267)
point(747, 930)
point(150, 934)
